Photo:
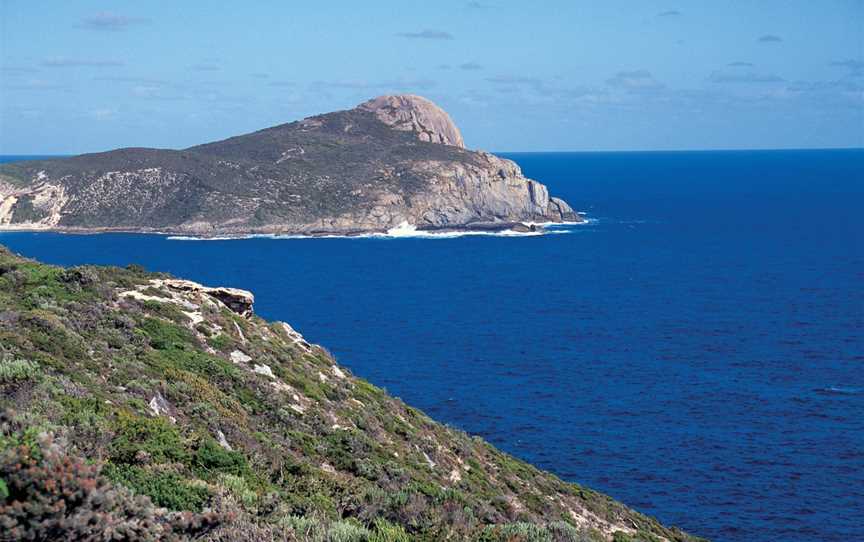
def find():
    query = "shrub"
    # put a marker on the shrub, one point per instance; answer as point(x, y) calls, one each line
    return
point(306, 528)
point(239, 488)
point(164, 335)
point(384, 531)
point(154, 436)
point(527, 532)
point(52, 496)
point(166, 309)
point(210, 457)
point(347, 531)
point(164, 488)
point(17, 370)
point(220, 342)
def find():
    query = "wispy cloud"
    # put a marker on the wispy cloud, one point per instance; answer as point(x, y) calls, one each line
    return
point(111, 22)
point(721, 77)
point(282, 84)
point(769, 38)
point(740, 64)
point(634, 80)
point(670, 13)
point(63, 62)
point(427, 35)
point(470, 66)
point(855, 67)
point(850, 63)
point(474, 4)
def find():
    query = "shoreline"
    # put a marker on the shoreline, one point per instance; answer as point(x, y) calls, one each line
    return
point(404, 230)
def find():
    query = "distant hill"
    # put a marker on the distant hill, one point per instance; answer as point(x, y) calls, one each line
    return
point(391, 161)
point(216, 420)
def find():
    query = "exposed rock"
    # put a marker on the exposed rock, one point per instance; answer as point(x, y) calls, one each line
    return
point(296, 337)
point(264, 370)
point(392, 160)
point(239, 301)
point(418, 115)
point(220, 438)
point(239, 357)
point(161, 407)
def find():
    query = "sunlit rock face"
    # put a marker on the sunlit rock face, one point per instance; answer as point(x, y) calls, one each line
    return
point(418, 115)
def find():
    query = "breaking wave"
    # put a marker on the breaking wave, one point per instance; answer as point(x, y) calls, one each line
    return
point(402, 231)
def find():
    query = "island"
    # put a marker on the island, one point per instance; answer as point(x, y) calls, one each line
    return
point(391, 162)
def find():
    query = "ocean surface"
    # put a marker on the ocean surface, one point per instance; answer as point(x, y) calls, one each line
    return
point(696, 350)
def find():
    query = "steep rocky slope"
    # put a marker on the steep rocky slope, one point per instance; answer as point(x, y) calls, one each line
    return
point(391, 161)
point(180, 393)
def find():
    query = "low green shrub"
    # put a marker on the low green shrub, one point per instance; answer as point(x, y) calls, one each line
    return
point(165, 489)
point(384, 531)
point(212, 458)
point(164, 335)
point(18, 370)
point(347, 531)
point(155, 437)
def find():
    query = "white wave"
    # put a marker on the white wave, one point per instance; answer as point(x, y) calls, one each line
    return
point(402, 231)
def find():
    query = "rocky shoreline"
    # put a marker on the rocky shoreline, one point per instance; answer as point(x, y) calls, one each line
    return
point(482, 227)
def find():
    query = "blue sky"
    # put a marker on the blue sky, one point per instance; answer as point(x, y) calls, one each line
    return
point(602, 75)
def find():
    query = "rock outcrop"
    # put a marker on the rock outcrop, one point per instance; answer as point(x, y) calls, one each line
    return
point(391, 161)
point(418, 115)
point(239, 301)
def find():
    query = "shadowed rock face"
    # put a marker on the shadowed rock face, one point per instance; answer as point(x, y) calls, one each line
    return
point(391, 161)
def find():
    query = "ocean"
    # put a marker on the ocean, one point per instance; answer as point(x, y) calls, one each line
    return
point(695, 350)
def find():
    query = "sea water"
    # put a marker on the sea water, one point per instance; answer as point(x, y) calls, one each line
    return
point(695, 350)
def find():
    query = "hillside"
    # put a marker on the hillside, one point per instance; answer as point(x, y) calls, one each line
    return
point(180, 393)
point(391, 161)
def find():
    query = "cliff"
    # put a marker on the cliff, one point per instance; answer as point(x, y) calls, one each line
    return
point(391, 161)
point(181, 395)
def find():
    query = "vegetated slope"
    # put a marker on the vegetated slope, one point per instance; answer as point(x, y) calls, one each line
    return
point(179, 393)
point(393, 160)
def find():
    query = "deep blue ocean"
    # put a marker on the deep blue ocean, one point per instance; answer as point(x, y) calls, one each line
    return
point(696, 351)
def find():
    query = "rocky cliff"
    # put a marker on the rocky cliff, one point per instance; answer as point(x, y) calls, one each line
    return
point(391, 161)
point(181, 395)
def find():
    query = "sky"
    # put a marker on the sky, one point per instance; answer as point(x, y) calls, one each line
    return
point(566, 75)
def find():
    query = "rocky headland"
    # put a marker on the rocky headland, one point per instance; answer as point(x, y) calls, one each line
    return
point(393, 161)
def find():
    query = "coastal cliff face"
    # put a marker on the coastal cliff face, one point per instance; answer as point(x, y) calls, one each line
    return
point(180, 394)
point(391, 161)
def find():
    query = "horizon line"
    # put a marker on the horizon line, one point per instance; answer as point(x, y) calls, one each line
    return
point(575, 151)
